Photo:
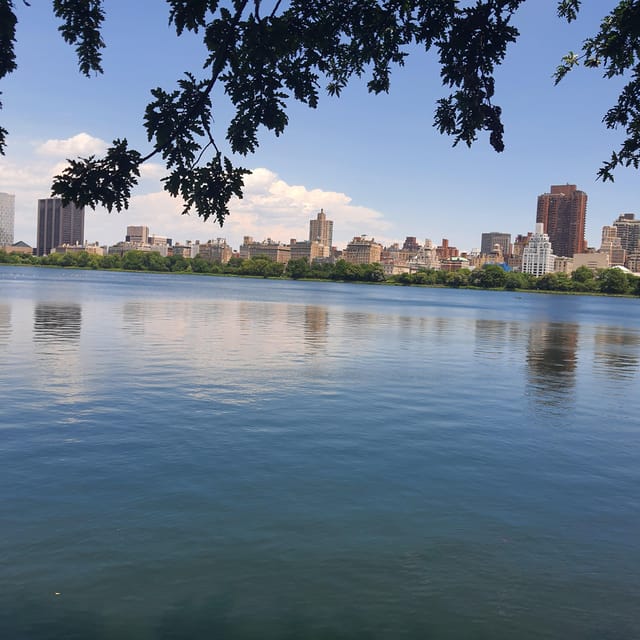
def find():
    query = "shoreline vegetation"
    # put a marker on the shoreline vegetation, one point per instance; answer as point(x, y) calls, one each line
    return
point(583, 281)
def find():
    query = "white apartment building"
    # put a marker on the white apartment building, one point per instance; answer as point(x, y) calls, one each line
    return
point(537, 256)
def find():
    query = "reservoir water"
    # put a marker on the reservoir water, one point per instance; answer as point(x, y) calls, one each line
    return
point(196, 457)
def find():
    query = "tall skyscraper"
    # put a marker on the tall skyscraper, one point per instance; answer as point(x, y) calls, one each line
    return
point(7, 218)
point(537, 256)
point(321, 230)
point(495, 237)
point(563, 213)
point(58, 224)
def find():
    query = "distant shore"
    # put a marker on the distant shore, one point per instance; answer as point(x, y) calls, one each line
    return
point(373, 275)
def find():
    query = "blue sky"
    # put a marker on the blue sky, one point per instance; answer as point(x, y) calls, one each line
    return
point(374, 163)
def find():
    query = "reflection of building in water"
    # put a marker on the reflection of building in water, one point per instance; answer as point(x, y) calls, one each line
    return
point(491, 337)
point(496, 338)
point(616, 352)
point(5, 323)
point(552, 359)
point(316, 325)
point(158, 322)
point(56, 339)
point(133, 316)
point(56, 322)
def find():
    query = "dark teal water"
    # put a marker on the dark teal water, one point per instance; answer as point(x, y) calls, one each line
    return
point(190, 457)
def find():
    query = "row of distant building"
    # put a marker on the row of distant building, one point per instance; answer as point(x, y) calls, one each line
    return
point(558, 243)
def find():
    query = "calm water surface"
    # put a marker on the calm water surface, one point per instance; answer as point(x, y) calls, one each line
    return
point(194, 457)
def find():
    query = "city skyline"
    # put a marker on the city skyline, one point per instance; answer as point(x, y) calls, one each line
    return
point(321, 227)
point(375, 162)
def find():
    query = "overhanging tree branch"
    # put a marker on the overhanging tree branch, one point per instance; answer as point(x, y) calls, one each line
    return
point(266, 59)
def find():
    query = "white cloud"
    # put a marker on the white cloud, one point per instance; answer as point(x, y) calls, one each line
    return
point(152, 171)
point(158, 211)
point(81, 144)
point(271, 208)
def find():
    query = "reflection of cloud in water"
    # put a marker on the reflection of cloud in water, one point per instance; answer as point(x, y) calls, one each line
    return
point(5, 323)
point(616, 352)
point(239, 352)
point(233, 351)
point(551, 362)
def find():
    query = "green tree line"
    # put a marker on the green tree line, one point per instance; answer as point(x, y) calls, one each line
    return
point(583, 280)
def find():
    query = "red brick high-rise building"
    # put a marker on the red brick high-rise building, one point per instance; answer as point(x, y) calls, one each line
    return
point(563, 213)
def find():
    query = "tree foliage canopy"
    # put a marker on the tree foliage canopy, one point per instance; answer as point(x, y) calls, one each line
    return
point(267, 53)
